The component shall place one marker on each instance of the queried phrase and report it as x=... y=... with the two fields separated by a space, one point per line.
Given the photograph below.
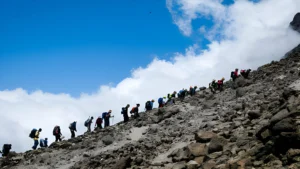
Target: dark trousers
x=89 y=127
x=160 y=105
x=220 y=87
x=99 y=126
x=106 y=122
x=126 y=118
x=72 y=133
x=57 y=138
x=35 y=144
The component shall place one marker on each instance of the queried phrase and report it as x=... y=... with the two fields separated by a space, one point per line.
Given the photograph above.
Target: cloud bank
x=244 y=35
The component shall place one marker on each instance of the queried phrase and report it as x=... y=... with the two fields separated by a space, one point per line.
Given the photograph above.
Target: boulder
x=107 y=140
x=123 y=163
x=197 y=149
x=192 y=165
x=202 y=88
x=199 y=160
x=204 y=136
x=216 y=144
x=285 y=125
x=180 y=154
x=180 y=165
x=292 y=153
x=295 y=24
x=254 y=114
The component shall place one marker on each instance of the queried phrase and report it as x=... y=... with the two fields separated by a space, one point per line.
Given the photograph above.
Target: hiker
x=193 y=90
x=180 y=94
x=57 y=133
x=161 y=102
x=135 y=111
x=213 y=86
x=105 y=117
x=235 y=74
x=88 y=123
x=5 y=149
x=220 y=84
x=44 y=142
x=174 y=94
x=72 y=128
x=98 y=123
x=245 y=73
x=149 y=105
x=34 y=134
x=125 y=113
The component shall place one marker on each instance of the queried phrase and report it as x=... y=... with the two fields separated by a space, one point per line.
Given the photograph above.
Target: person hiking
x=73 y=129
x=235 y=74
x=135 y=111
x=106 y=116
x=180 y=94
x=57 y=133
x=125 y=113
x=34 y=134
x=174 y=94
x=5 y=150
x=192 y=91
x=44 y=142
x=245 y=73
x=161 y=102
x=98 y=123
x=213 y=86
x=220 y=84
x=88 y=123
x=149 y=105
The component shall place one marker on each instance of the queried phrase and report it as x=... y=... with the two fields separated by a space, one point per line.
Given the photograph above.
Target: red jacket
x=236 y=73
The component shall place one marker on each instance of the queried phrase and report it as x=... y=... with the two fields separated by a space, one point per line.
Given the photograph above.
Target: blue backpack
x=160 y=100
x=104 y=115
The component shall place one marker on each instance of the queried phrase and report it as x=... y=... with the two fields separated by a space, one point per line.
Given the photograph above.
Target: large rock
x=254 y=114
x=204 y=136
x=197 y=149
x=285 y=125
x=180 y=165
x=123 y=163
x=292 y=153
x=107 y=140
x=180 y=154
x=216 y=144
x=295 y=24
x=192 y=165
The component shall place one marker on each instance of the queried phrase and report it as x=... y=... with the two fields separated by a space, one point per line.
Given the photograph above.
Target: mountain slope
x=253 y=123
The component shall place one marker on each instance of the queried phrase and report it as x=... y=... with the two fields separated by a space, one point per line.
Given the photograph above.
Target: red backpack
x=99 y=121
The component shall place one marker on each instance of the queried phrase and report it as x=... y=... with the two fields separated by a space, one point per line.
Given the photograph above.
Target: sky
x=66 y=61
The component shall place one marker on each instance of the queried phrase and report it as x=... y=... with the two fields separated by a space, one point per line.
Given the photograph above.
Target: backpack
x=56 y=130
x=122 y=111
x=132 y=110
x=232 y=75
x=72 y=126
x=86 y=123
x=99 y=121
x=41 y=143
x=148 y=104
x=160 y=100
x=104 y=115
x=32 y=133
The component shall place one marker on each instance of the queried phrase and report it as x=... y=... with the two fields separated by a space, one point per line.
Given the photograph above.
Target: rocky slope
x=253 y=123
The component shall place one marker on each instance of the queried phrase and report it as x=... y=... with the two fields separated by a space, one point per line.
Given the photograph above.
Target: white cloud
x=253 y=34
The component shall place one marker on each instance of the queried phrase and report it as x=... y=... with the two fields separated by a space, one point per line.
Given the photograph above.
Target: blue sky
x=74 y=46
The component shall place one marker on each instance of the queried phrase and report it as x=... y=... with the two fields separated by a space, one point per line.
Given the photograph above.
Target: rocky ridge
x=253 y=123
